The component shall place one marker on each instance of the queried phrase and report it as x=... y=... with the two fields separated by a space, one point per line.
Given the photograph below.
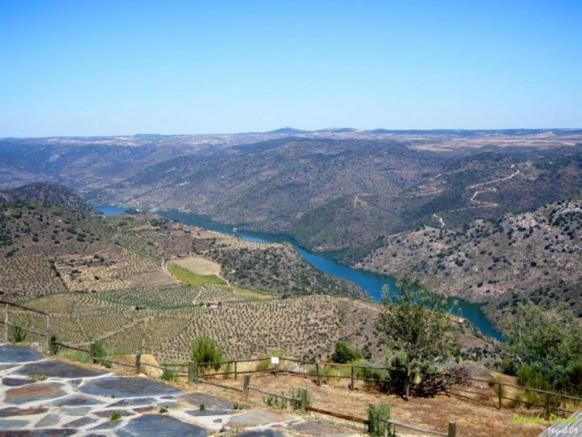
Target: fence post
x=53 y=348
x=235 y=370
x=352 y=383
x=246 y=384
x=6 y=323
x=499 y=395
x=137 y=363
x=92 y=353
x=452 y=429
x=547 y=409
x=317 y=374
x=304 y=399
x=192 y=372
x=48 y=333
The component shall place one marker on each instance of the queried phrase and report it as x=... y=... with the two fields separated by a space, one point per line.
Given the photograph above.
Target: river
x=371 y=282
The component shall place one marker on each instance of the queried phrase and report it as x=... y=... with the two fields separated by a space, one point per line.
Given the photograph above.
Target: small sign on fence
x=275 y=361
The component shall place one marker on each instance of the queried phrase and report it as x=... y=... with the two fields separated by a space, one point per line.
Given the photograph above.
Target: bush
x=498 y=389
x=573 y=377
x=378 y=414
x=168 y=375
x=529 y=376
x=265 y=364
x=345 y=354
x=205 y=350
x=296 y=394
x=543 y=349
x=17 y=333
x=101 y=353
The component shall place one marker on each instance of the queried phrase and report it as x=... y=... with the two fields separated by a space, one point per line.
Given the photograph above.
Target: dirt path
x=440 y=219
x=489 y=190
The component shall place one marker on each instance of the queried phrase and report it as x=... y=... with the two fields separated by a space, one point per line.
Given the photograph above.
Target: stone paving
x=42 y=396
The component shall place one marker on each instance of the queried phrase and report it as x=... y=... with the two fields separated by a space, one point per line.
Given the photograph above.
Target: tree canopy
x=416 y=325
x=544 y=348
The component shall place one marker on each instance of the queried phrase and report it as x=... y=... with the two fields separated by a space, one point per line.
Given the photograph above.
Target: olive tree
x=416 y=327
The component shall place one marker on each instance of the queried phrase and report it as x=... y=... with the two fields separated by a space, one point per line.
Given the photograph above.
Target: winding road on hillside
x=483 y=203
x=440 y=219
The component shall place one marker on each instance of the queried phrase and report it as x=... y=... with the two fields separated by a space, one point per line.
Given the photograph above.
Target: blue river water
x=373 y=283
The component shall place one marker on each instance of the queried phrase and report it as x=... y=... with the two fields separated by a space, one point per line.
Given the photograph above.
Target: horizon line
x=299 y=131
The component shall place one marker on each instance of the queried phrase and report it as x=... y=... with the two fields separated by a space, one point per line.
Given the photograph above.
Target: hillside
x=533 y=256
x=338 y=190
x=65 y=249
x=342 y=196
x=110 y=278
x=50 y=194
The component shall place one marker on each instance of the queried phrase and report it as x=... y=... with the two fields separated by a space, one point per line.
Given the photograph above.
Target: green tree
x=205 y=350
x=417 y=327
x=344 y=353
x=543 y=348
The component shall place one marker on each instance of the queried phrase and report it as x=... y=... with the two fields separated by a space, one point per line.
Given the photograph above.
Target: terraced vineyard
x=165 y=321
x=302 y=327
x=170 y=297
x=116 y=270
x=29 y=275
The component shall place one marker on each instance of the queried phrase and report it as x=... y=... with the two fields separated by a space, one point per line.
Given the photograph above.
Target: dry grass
x=473 y=417
x=198 y=265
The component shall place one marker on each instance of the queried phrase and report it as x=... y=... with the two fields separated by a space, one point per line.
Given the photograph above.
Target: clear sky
x=102 y=67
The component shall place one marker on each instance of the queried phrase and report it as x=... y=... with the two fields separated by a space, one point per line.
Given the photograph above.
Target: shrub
x=205 y=350
x=275 y=401
x=265 y=364
x=17 y=333
x=498 y=389
x=101 y=353
x=168 y=375
x=116 y=415
x=344 y=353
x=378 y=414
x=529 y=376
x=296 y=394
x=544 y=348
x=100 y=349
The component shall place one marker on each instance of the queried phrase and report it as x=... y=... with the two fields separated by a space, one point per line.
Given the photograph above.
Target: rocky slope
x=534 y=256
x=50 y=194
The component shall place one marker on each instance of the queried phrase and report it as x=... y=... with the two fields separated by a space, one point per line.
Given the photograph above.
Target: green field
x=187 y=277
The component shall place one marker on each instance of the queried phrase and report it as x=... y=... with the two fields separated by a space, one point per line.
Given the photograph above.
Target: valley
x=343 y=193
x=139 y=281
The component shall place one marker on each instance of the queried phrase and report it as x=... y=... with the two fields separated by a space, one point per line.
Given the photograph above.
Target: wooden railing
x=196 y=372
x=7 y=323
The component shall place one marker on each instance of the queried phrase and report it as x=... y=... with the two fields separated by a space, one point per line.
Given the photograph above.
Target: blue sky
x=121 y=67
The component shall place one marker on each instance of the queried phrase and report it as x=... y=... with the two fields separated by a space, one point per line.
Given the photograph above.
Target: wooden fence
x=47 y=334
x=316 y=371
x=450 y=383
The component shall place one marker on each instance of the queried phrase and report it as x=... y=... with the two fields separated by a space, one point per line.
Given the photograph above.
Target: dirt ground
x=198 y=265
x=474 y=417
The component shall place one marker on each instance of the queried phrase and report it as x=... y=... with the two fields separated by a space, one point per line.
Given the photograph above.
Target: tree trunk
x=407 y=383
